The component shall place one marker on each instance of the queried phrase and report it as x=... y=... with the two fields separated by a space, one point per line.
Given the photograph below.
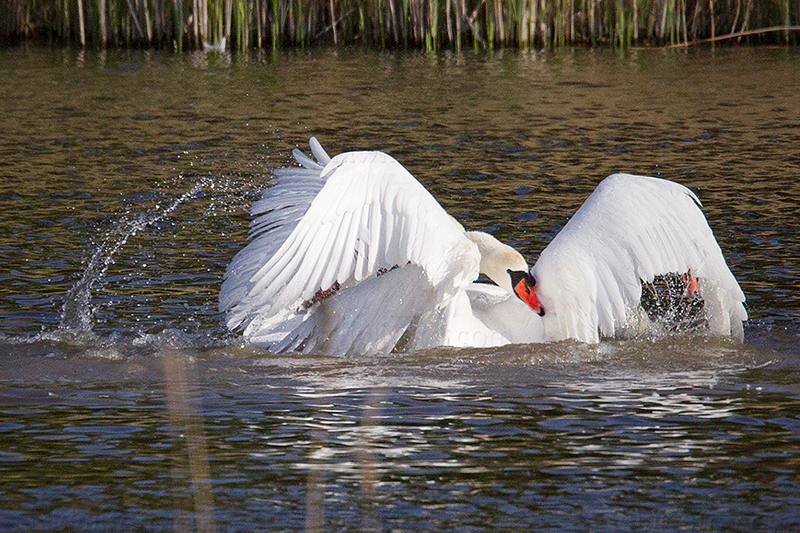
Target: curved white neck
x=497 y=258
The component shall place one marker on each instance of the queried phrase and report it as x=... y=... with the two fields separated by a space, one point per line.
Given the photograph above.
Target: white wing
x=336 y=225
x=279 y=211
x=629 y=230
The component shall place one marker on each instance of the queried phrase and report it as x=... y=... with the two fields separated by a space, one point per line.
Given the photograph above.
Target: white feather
x=365 y=217
x=352 y=254
x=629 y=230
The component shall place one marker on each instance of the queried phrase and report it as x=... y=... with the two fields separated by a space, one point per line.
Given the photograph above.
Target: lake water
x=126 y=405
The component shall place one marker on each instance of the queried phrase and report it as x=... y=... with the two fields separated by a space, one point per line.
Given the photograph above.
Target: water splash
x=77 y=314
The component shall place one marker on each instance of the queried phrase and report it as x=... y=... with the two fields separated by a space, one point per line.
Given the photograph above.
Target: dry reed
x=429 y=24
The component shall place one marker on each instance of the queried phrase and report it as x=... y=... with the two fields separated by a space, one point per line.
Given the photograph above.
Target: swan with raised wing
x=352 y=254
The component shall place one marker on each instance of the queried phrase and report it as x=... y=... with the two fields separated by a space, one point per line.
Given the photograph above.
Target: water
x=126 y=405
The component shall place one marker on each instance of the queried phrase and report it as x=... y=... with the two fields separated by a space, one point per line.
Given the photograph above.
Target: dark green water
x=126 y=178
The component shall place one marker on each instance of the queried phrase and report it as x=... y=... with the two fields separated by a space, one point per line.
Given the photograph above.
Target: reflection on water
x=160 y=420
x=410 y=446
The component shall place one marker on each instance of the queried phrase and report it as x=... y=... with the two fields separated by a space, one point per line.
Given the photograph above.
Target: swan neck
x=497 y=259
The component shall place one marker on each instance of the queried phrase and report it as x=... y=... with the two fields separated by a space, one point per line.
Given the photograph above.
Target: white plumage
x=631 y=229
x=352 y=254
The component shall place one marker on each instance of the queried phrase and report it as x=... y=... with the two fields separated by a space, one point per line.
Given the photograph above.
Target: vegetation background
x=428 y=24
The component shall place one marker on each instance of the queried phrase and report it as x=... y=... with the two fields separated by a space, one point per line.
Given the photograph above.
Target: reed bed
x=429 y=24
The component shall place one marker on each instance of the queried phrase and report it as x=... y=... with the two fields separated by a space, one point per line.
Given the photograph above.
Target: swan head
x=507 y=268
x=523 y=284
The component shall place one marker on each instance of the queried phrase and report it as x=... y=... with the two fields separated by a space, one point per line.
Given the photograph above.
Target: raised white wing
x=629 y=230
x=334 y=226
x=279 y=211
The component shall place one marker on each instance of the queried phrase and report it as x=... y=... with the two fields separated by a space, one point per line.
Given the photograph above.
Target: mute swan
x=352 y=255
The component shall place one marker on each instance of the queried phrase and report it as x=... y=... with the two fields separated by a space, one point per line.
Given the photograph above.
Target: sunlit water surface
x=125 y=404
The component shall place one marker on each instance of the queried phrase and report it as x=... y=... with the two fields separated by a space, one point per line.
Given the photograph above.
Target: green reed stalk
x=433 y=31
x=490 y=27
x=242 y=10
x=787 y=21
x=429 y=24
x=81 y=24
x=683 y=22
x=559 y=34
x=711 y=13
x=521 y=22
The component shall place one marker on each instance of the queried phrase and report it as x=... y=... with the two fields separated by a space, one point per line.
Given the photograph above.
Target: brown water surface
x=125 y=405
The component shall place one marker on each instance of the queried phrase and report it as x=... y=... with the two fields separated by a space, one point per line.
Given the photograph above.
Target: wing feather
x=279 y=212
x=321 y=155
x=339 y=220
x=630 y=230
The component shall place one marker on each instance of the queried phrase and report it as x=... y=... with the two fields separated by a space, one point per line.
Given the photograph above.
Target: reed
x=429 y=24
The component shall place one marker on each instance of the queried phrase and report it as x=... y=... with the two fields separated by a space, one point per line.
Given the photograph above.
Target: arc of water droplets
x=76 y=315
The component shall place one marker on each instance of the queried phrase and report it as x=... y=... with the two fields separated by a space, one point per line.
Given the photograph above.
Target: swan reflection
x=355 y=423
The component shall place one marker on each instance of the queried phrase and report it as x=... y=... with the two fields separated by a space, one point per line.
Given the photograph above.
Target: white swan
x=352 y=255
